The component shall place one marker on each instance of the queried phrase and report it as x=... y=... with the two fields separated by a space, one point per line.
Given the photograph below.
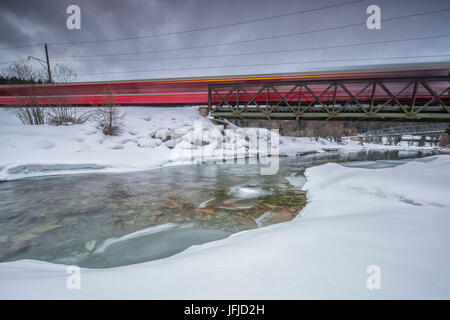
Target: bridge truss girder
x=412 y=99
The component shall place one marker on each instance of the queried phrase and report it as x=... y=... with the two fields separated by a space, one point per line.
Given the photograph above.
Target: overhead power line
x=23 y=46
x=190 y=30
x=265 y=64
x=256 y=53
x=262 y=52
x=256 y=39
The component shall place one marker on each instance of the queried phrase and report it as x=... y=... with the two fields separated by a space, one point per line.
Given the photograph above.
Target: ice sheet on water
x=150 y=244
x=204 y=203
x=297 y=180
x=264 y=218
x=248 y=192
x=139 y=233
x=31 y=168
x=427 y=159
x=379 y=164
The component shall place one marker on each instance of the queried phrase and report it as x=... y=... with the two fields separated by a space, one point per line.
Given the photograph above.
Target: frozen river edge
x=32 y=151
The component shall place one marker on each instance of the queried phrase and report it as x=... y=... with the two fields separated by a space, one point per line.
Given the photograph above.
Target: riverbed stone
x=11 y=248
x=124 y=213
x=178 y=218
x=45 y=227
x=171 y=204
x=25 y=237
x=157 y=213
x=90 y=245
x=206 y=210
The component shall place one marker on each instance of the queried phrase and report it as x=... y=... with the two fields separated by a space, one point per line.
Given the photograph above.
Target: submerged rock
x=45 y=227
x=90 y=245
x=26 y=237
x=269 y=218
x=206 y=209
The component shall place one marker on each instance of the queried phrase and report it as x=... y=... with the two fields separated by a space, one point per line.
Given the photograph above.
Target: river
x=107 y=220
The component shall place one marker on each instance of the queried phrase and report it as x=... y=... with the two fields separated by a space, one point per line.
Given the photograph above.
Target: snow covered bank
x=395 y=218
x=41 y=150
x=152 y=137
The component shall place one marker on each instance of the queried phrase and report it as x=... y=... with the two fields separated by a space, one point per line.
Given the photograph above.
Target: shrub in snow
x=66 y=116
x=109 y=117
x=30 y=115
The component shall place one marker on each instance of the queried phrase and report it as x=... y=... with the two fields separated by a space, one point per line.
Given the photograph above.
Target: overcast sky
x=24 y=23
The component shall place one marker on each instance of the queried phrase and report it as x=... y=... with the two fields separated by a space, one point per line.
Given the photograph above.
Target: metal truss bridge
x=406 y=98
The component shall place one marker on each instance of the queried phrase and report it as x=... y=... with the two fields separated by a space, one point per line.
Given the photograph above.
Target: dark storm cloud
x=33 y=22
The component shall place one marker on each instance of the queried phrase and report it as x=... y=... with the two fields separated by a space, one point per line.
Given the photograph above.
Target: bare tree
x=28 y=109
x=20 y=71
x=62 y=111
x=313 y=129
x=336 y=130
x=331 y=130
x=62 y=73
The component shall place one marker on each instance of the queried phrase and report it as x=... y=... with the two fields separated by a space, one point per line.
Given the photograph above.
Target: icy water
x=106 y=220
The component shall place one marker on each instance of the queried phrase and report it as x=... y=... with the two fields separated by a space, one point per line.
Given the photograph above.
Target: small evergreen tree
x=109 y=117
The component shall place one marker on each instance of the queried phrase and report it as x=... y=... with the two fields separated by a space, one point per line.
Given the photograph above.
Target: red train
x=190 y=91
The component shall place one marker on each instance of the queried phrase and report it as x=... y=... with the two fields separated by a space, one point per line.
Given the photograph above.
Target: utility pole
x=48 y=64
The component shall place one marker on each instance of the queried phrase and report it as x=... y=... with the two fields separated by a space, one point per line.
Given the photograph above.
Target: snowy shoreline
x=33 y=151
x=355 y=218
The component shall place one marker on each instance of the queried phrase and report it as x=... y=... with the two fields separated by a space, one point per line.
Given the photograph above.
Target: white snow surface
x=396 y=218
x=28 y=151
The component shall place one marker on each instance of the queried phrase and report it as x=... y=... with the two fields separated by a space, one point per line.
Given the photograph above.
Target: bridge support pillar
x=445 y=138
x=204 y=111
